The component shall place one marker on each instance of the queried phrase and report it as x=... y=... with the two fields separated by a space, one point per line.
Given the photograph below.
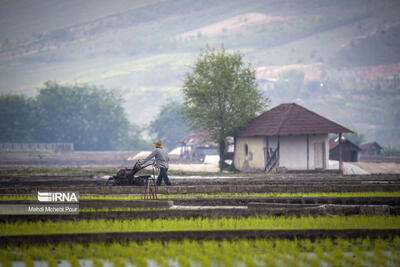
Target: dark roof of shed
x=365 y=146
x=334 y=142
x=199 y=138
x=288 y=119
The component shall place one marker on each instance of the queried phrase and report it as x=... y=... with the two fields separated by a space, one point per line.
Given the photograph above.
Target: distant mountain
x=144 y=48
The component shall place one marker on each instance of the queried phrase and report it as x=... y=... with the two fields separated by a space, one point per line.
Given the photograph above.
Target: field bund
x=25 y=184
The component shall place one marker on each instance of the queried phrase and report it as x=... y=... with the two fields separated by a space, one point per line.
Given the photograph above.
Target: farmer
x=161 y=161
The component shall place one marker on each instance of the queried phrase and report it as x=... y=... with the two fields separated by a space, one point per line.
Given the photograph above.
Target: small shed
x=349 y=150
x=197 y=145
x=370 y=149
x=288 y=136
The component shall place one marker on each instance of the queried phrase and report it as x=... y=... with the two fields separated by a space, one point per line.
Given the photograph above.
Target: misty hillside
x=346 y=53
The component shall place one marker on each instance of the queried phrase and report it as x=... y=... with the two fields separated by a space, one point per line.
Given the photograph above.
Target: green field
x=221 y=195
x=264 y=252
x=182 y=224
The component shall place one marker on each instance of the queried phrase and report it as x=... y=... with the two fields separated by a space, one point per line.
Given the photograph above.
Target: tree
x=89 y=117
x=221 y=95
x=354 y=137
x=169 y=125
x=17 y=118
x=133 y=140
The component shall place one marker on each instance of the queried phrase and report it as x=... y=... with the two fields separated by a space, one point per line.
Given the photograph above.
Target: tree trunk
x=221 y=154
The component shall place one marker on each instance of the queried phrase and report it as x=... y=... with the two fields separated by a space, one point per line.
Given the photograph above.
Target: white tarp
x=177 y=151
x=140 y=155
x=348 y=168
x=211 y=159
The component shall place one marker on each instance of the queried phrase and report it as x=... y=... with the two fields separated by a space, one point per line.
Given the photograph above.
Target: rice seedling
x=28 y=261
x=73 y=260
x=51 y=262
x=269 y=260
x=208 y=223
x=97 y=262
x=272 y=252
x=118 y=262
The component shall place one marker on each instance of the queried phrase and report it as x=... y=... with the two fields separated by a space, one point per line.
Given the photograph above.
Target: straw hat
x=158 y=144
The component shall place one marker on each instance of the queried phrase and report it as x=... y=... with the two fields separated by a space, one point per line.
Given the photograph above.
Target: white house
x=288 y=136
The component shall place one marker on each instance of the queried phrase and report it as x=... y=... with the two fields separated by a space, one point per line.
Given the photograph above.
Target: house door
x=319 y=155
x=354 y=156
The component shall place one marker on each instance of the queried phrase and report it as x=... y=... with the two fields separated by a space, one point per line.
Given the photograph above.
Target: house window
x=246 y=149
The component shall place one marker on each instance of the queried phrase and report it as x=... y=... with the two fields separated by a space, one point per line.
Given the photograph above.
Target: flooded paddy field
x=318 y=219
x=307 y=183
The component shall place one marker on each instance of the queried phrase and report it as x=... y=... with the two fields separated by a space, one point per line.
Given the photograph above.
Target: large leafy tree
x=17 y=119
x=221 y=95
x=169 y=125
x=90 y=117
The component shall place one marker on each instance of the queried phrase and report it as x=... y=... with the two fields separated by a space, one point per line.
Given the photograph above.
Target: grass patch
x=221 y=195
x=181 y=224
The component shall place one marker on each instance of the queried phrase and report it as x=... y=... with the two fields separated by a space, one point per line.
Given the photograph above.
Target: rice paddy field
x=241 y=252
x=219 y=231
x=219 y=195
x=202 y=224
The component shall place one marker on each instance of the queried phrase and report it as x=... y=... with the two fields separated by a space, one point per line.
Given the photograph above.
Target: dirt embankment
x=379 y=167
x=75 y=159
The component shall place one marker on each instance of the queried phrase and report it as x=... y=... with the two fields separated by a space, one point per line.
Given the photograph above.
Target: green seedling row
x=220 y=195
x=240 y=252
x=208 y=223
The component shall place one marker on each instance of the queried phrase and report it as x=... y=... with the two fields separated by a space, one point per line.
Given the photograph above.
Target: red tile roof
x=288 y=119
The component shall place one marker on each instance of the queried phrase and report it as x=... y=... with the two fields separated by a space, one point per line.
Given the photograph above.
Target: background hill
x=340 y=58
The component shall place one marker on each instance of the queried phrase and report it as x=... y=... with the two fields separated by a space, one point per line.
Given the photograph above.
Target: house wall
x=293 y=151
x=254 y=160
